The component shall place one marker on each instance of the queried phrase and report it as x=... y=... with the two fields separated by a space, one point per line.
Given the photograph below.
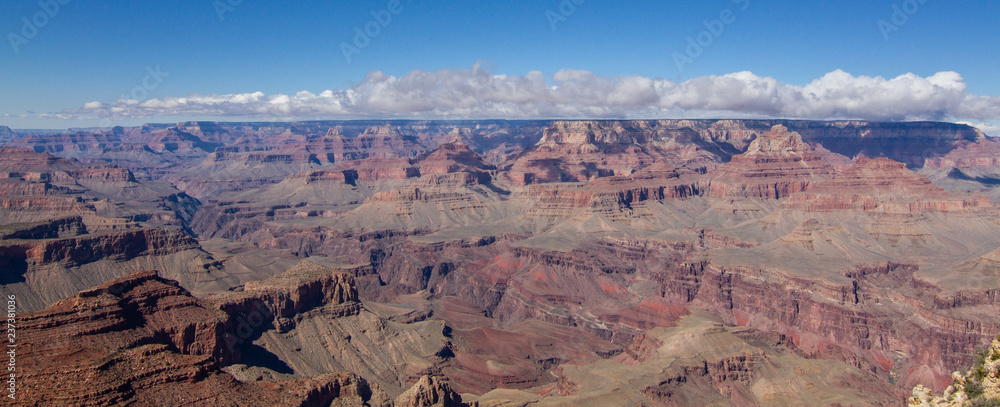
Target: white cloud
x=477 y=93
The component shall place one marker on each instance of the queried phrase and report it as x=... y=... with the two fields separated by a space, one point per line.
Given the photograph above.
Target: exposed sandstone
x=452 y=157
x=883 y=185
x=617 y=196
x=144 y=340
x=112 y=328
x=304 y=287
x=81 y=250
x=375 y=169
x=775 y=165
x=51 y=229
x=427 y=392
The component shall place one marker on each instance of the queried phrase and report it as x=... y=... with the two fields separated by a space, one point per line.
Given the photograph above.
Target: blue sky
x=620 y=56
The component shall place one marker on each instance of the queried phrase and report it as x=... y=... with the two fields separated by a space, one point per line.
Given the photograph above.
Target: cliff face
x=910 y=143
x=375 y=169
x=886 y=186
x=151 y=329
x=454 y=157
x=621 y=147
x=618 y=197
x=124 y=246
x=980 y=385
x=775 y=165
x=144 y=340
x=44 y=262
x=7 y=135
x=580 y=151
x=70 y=145
x=53 y=229
x=39 y=186
x=429 y=391
x=305 y=287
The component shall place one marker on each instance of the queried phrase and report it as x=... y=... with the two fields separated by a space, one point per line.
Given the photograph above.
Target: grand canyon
x=499 y=262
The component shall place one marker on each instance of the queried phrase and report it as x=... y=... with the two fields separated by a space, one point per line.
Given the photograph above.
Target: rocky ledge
x=144 y=340
x=980 y=386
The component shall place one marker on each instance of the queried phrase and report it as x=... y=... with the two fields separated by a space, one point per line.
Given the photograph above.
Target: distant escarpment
x=75 y=251
x=7 y=135
x=618 y=197
x=39 y=186
x=580 y=150
x=887 y=186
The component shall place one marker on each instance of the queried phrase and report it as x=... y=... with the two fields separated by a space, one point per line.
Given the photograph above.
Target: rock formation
x=884 y=185
x=775 y=165
x=7 y=135
x=144 y=340
x=429 y=391
x=674 y=262
x=980 y=386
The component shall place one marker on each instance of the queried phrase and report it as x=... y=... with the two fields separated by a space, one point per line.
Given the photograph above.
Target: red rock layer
x=375 y=169
x=63 y=227
x=375 y=142
x=776 y=165
x=884 y=185
x=452 y=157
x=863 y=323
x=429 y=391
x=981 y=154
x=579 y=151
x=86 y=249
x=306 y=286
x=143 y=340
x=174 y=139
x=617 y=194
x=70 y=144
x=337 y=176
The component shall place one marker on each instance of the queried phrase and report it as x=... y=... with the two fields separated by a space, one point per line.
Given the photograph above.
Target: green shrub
x=978 y=364
x=973 y=389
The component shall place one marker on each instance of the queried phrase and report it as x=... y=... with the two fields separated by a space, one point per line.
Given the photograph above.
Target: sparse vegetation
x=973 y=389
x=979 y=387
x=979 y=364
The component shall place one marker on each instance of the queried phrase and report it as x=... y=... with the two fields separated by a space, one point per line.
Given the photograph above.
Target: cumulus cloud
x=478 y=93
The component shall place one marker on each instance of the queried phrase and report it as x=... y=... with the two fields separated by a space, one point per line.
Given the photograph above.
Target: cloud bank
x=477 y=93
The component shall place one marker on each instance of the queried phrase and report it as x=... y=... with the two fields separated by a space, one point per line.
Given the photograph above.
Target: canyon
x=495 y=263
